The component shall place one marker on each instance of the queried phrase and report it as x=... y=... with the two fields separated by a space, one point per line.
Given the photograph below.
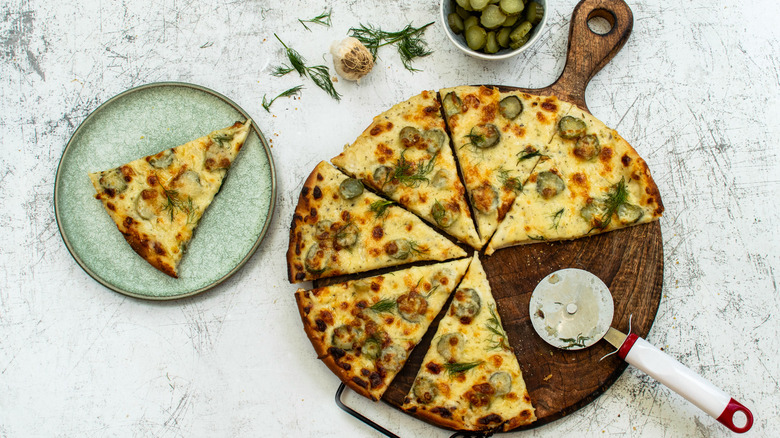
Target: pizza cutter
x=572 y=309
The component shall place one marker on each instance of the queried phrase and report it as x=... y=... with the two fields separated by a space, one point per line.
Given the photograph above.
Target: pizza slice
x=405 y=154
x=470 y=378
x=589 y=180
x=364 y=330
x=497 y=137
x=339 y=228
x=157 y=201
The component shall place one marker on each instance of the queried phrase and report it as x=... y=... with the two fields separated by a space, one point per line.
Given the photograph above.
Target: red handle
x=727 y=417
x=680 y=379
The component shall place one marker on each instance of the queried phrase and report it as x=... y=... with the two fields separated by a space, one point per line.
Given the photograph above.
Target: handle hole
x=739 y=419
x=601 y=21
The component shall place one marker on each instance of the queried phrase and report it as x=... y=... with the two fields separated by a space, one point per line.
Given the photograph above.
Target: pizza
x=489 y=167
x=158 y=200
x=470 y=378
x=588 y=180
x=405 y=154
x=497 y=137
x=340 y=228
x=364 y=330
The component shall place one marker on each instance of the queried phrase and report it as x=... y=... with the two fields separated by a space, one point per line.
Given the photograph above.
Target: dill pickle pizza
x=587 y=180
x=364 y=330
x=340 y=228
x=405 y=154
x=497 y=137
x=470 y=378
x=489 y=168
x=157 y=201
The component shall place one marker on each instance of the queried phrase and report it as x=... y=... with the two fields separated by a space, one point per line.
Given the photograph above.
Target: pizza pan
x=629 y=261
x=146 y=120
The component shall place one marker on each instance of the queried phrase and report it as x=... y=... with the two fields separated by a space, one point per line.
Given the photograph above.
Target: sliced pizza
x=405 y=153
x=340 y=228
x=497 y=137
x=157 y=201
x=470 y=378
x=364 y=330
x=588 y=180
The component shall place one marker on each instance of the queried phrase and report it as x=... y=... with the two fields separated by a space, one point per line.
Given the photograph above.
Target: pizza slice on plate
x=470 y=378
x=157 y=201
x=589 y=180
x=340 y=228
x=497 y=137
x=405 y=153
x=364 y=330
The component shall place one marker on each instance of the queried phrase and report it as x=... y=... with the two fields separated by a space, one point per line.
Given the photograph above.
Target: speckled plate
x=146 y=120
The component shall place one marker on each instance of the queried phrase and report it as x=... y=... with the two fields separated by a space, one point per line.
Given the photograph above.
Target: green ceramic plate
x=146 y=120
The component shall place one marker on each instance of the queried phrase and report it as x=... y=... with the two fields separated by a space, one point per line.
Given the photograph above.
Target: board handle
x=588 y=52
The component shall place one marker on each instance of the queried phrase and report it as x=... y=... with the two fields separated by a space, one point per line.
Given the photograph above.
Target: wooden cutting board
x=629 y=261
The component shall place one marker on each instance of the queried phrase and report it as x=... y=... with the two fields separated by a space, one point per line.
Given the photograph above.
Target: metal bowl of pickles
x=493 y=29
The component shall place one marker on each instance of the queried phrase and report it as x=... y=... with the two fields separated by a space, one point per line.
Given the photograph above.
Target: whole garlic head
x=351 y=59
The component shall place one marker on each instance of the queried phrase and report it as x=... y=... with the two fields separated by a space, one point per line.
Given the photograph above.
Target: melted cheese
x=578 y=210
x=381 y=146
x=497 y=404
x=380 y=240
x=356 y=304
x=505 y=166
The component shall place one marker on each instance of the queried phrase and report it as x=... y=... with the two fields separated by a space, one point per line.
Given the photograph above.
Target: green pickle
x=534 y=13
x=455 y=23
x=491 y=45
x=511 y=7
x=476 y=37
x=471 y=21
x=502 y=37
x=490 y=26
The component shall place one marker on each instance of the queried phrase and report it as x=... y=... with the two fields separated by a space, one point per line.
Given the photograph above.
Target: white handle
x=685 y=382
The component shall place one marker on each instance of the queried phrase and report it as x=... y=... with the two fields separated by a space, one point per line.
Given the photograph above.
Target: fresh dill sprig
x=408 y=41
x=297 y=61
x=410 y=173
x=579 y=342
x=287 y=93
x=173 y=203
x=494 y=326
x=281 y=70
x=617 y=197
x=415 y=248
x=511 y=183
x=319 y=74
x=460 y=367
x=538 y=238
x=527 y=155
x=386 y=305
x=380 y=207
x=322 y=19
x=556 y=219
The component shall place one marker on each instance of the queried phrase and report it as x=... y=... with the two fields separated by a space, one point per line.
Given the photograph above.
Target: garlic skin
x=351 y=59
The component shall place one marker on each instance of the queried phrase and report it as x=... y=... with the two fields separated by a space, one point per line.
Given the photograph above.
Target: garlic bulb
x=351 y=59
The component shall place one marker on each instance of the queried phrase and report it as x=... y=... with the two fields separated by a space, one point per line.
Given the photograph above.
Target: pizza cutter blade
x=572 y=309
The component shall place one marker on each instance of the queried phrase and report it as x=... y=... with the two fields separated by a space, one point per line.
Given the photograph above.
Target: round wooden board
x=629 y=261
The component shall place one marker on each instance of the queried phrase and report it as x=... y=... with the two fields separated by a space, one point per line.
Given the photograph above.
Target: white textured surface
x=696 y=90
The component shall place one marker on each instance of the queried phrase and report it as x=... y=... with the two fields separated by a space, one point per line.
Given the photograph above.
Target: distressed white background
x=696 y=90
